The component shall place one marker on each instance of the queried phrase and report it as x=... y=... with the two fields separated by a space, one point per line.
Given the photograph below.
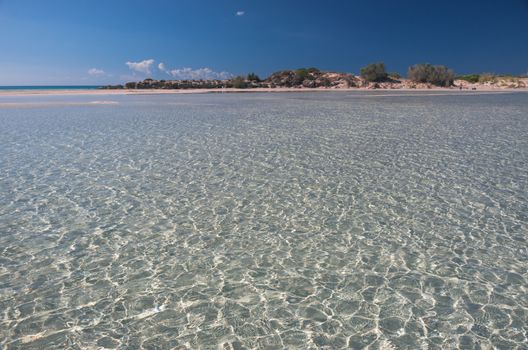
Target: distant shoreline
x=122 y=92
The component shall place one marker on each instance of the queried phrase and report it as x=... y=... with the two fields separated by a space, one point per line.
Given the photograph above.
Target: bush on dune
x=374 y=72
x=394 y=75
x=239 y=83
x=427 y=73
x=253 y=77
x=470 y=78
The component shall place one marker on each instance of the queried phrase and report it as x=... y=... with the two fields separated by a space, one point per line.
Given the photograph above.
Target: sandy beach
x=107 y=92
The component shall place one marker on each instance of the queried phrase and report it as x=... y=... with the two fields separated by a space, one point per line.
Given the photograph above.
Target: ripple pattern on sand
x=265 y=221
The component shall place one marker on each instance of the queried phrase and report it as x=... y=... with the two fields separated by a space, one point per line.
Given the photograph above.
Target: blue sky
x=91 y=42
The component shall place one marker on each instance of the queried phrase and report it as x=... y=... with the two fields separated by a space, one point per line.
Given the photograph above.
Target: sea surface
x=48 y=87
x=328 y=220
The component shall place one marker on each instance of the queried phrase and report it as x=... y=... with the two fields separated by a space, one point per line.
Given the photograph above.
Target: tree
x=427 y=73
x=374 y=72
x=253 y=77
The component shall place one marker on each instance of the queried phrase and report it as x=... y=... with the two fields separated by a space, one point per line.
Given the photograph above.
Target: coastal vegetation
x=479 y=78
x=374 y=72
x=470 y=78
x=372 y=76
x=435 y=75
x=239 y=82
x=310 y=78
x=493 y=80
x=253 y=77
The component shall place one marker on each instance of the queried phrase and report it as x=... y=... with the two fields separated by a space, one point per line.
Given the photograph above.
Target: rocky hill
x=301 y=78
x=314 y=78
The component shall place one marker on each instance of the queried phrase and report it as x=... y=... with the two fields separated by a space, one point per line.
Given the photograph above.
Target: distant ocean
x=50 y=87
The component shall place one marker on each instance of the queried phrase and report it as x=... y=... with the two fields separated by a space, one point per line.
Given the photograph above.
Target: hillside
x=314 y=78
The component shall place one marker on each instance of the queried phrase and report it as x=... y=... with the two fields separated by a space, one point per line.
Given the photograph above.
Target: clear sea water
x=383 y=220
x=48 y=87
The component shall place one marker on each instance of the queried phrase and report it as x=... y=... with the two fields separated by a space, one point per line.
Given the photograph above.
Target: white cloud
x=142 y=67
x=96 y=72
x=205 y=73
x=200 y=73
x=163 y=68
x=240 y=13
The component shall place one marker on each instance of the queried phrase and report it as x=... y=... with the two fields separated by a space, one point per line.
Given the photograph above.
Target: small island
x=373 y=76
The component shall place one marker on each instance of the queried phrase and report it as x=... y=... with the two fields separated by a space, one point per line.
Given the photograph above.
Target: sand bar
x=227 y=90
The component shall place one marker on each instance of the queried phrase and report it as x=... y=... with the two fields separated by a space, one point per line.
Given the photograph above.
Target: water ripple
x=265 y=221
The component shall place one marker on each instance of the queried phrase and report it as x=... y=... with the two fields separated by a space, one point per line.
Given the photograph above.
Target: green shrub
x=374 y=72
x=478 y=78
x=427 y=73
x=470 y=78
x=394 y=75
x=253 y=77
x=302 y=73
x=239 y=82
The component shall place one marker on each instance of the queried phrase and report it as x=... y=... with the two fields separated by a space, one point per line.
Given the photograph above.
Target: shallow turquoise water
x=231 y=221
